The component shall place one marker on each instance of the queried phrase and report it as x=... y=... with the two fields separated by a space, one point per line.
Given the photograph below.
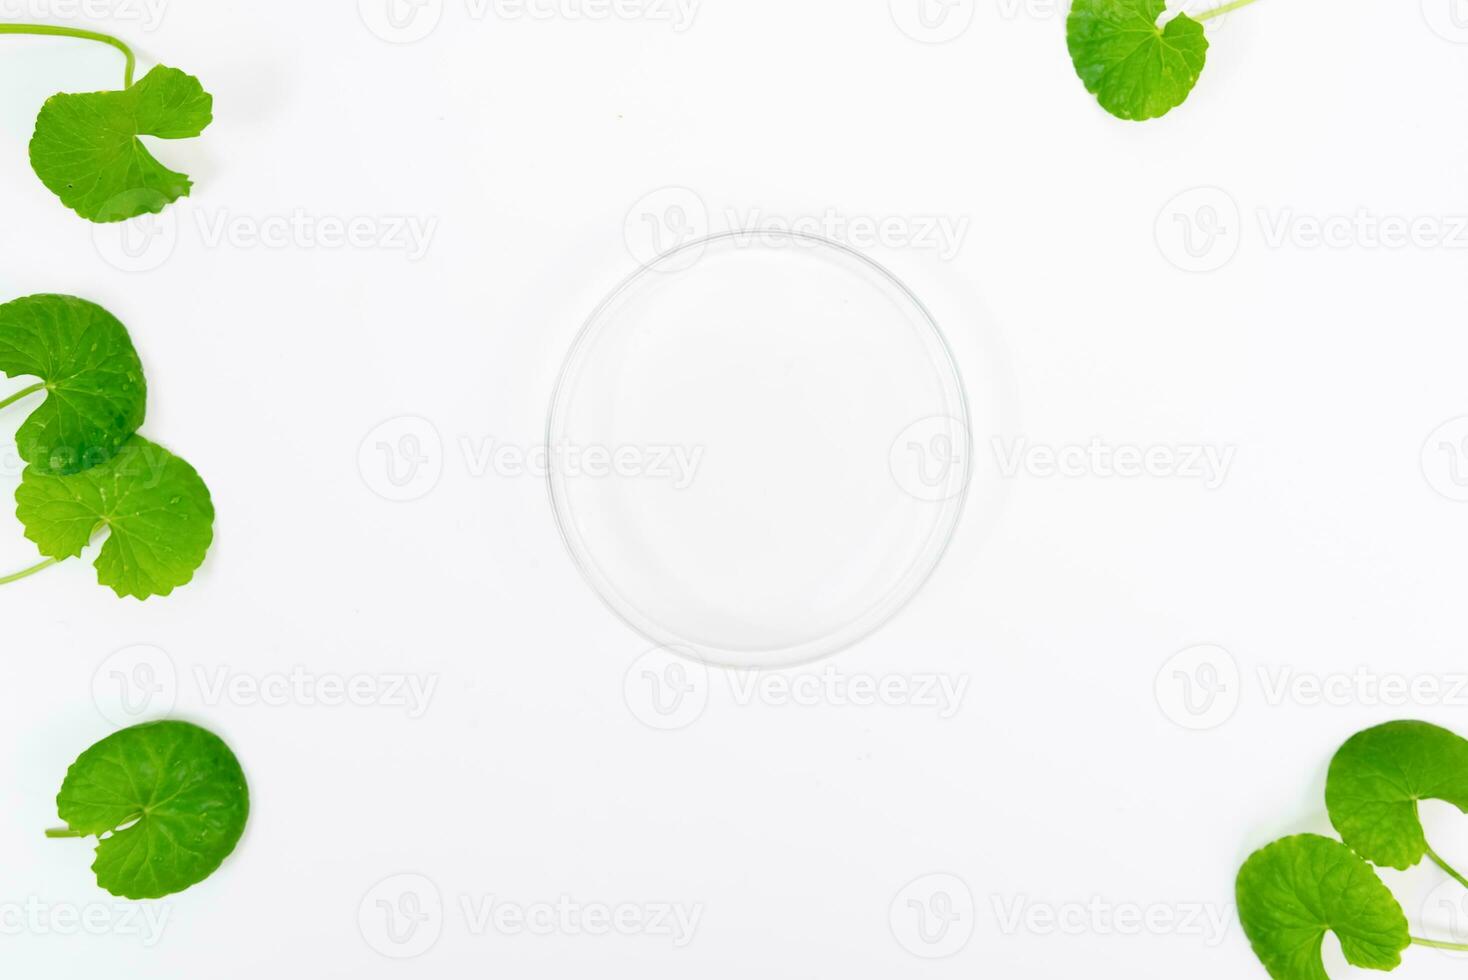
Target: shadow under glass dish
x=759 y=448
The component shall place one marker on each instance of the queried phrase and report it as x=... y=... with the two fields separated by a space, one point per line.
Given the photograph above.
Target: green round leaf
x=86 y=147
x=157 y=510
x=95 y=392
x=1294 y=891
x=1376 y=779
x=1135 y=69
x=168 y=801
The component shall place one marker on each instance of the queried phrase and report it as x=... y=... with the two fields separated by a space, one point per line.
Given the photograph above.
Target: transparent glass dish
x=759 y=448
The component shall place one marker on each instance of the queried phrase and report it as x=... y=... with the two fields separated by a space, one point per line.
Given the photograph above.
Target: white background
x=1066 y=776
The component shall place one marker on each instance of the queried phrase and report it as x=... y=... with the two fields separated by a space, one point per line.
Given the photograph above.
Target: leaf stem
x=27 y=573
x=47 y=30
x=56 y=832
x=22 y=393
x=1460 y=947
x=1446 y=867
x=1220 y=11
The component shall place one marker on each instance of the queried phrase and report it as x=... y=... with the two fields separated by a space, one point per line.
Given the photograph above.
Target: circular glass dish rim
x=828 y=644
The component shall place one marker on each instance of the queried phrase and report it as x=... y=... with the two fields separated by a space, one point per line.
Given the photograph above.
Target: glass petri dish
x=758 y=448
